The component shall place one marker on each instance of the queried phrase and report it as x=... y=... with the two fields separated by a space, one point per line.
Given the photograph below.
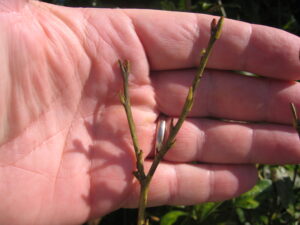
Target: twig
x=125 y=100
x=296 y=125
x=145 y=179
x=220 y=3
x=215 y=34
x=94 y=221
x=296 y=121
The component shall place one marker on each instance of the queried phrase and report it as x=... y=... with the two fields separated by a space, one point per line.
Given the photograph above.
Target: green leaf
x=205 y=209
x=181 y=5
x=247 y=203
x=248 y=200
x=241 y=215
x=205 y=5
x=171 y=217
x=259 y=188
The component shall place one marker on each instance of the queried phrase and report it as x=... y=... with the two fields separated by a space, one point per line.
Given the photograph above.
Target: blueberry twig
x=296 y=121
x=143 y=178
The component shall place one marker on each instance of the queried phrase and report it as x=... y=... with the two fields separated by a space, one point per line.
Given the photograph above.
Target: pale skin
x=65 y=150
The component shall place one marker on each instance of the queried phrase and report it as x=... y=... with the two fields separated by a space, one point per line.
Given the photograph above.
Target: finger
x=183 y=184
x=172 y=40
x=227 y=95
x=213 y=141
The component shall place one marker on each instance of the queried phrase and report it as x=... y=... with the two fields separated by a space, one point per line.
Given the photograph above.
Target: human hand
x=65 y=149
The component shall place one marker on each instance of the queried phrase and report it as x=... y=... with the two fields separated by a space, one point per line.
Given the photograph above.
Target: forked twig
x=143 y=178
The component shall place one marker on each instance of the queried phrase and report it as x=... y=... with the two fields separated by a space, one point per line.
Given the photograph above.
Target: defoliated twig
x=215 y=34
x=296 y=121
x=139 y=173
x=125 y=100
x=296 y=125
x=145 y=179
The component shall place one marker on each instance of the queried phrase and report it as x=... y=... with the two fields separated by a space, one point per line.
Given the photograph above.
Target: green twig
x=220 y=3
x=144 y=179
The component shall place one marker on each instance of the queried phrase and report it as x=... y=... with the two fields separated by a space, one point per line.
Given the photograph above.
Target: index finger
x=172 y=40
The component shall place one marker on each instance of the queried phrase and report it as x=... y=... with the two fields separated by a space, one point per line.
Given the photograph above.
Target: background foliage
x=275 y=200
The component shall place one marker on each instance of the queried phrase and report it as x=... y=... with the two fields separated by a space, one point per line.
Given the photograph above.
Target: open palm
x=65 y=149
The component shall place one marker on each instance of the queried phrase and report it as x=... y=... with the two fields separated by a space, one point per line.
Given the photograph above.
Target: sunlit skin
x=65 y=150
